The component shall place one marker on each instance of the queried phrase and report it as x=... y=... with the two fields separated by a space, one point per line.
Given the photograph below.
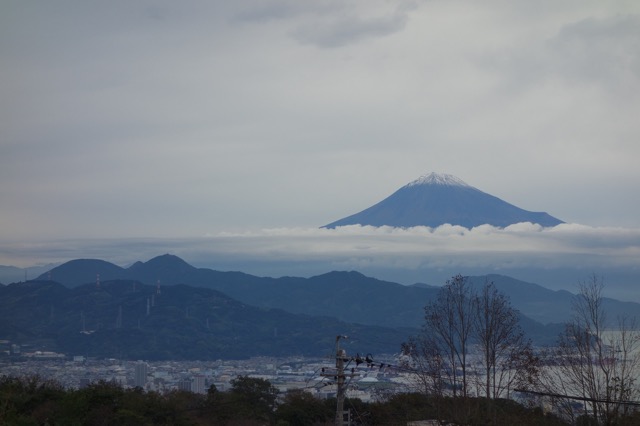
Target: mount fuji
x=437 y=199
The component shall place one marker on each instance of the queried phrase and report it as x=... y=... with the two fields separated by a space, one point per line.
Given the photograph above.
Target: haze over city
x=229 y=132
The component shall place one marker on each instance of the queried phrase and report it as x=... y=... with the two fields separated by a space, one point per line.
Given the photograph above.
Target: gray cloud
x=603 y=51
x=346 y=29
x=591 y=52
x=334 y=23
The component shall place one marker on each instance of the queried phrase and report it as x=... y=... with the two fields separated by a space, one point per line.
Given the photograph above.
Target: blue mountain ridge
x=348 y=296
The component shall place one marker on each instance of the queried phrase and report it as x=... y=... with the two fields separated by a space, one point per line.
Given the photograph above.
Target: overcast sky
x=208 y=119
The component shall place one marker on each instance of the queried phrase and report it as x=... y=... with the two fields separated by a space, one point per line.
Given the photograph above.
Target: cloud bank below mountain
x=557 y=257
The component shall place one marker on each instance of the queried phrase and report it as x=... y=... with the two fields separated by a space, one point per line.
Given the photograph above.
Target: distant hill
x=9 y=274
x=348 y=296
x=12 y=274
x=533 y=300
x=126 y=319
x=164 y=270
x=83 y=271
x=437 y=199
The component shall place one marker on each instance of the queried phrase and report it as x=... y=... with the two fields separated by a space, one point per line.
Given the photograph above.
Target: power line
x=578 y=398
x=342 y=372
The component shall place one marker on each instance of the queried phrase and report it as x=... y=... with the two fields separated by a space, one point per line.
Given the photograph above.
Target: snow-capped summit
x=436 y=199
x=438 y=179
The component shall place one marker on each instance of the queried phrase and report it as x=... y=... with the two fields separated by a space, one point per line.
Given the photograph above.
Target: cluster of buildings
x=311 y=375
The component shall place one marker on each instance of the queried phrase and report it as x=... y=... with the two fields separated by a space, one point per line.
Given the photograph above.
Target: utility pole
x=340 y=356
x=340 y=380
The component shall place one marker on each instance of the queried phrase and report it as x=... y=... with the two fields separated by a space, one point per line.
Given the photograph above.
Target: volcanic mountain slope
x=437 y=199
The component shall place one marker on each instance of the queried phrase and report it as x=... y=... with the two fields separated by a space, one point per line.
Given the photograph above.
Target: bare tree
x=595 y=360
x=423 y=355
x=506 y=354
x=448 y=322
x=460 y=319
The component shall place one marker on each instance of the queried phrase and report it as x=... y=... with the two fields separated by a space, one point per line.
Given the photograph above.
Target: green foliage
x=402 y=408
x=253 y=398
x=27 y=401
x=300 y=408
x=251 y=401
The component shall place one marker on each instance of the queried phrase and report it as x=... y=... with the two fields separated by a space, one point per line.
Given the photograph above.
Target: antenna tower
x=119 y=318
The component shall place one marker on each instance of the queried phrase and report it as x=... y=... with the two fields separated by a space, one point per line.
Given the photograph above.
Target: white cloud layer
x=557 y=257
x=521 y=245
